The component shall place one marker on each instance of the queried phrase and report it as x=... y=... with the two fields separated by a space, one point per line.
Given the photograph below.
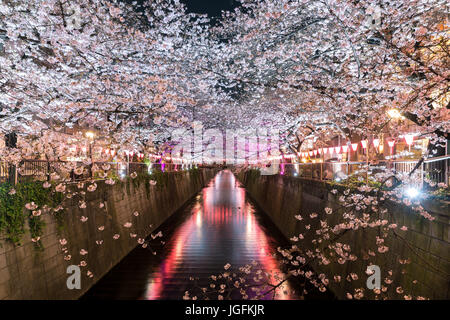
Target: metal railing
x=436 y=170
x=28 y=170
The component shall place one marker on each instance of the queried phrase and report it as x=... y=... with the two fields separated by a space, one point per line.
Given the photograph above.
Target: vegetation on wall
x=13 y=200
x=13 y=213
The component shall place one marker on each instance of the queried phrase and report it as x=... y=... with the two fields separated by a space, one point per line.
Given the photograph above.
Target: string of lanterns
x=409 y=139
x=127 y=153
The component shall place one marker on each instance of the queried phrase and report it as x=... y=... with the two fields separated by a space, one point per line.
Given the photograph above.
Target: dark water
x=218 y=227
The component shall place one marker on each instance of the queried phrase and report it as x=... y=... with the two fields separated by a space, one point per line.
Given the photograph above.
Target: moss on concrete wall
x=26 y=273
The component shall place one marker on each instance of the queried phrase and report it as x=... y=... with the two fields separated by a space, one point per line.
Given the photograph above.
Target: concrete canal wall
x=283 y=197
x=27 y=273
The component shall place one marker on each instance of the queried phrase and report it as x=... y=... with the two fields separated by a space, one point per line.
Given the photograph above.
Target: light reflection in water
x=222 y=228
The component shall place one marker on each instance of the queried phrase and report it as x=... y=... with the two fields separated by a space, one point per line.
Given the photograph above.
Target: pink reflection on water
x=222 y=228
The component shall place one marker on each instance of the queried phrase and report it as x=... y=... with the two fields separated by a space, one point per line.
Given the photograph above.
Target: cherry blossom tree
x=312 y=69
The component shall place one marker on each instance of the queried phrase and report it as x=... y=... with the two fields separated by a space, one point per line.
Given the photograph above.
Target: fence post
x=12 y=174
x=422 y=174
x=446 y=173
x=321 y=171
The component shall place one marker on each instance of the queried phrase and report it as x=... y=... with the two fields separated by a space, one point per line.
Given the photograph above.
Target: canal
x=219 y=231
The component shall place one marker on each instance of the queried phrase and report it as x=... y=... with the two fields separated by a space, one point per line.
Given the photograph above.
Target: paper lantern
x=391 y=145
x=354 y=146
x=113 y=152
x=409 y=138
x=330 y=150
x=315 y=152
x=345 y=149
x=376 y=143
x=364 y=143
x=337 y=149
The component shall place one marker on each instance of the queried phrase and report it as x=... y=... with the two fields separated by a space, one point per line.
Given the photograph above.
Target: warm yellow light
x=395 y=114
x=90 y=135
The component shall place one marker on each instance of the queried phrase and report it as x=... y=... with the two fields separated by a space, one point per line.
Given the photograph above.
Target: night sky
x=211 y=7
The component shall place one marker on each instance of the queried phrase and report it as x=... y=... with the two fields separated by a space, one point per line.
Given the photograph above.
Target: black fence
x=43 y=170
x=435 y=170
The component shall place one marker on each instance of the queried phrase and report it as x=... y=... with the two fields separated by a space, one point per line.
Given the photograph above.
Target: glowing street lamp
x=395 y=114
x=90 y=135
x=412 y=192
